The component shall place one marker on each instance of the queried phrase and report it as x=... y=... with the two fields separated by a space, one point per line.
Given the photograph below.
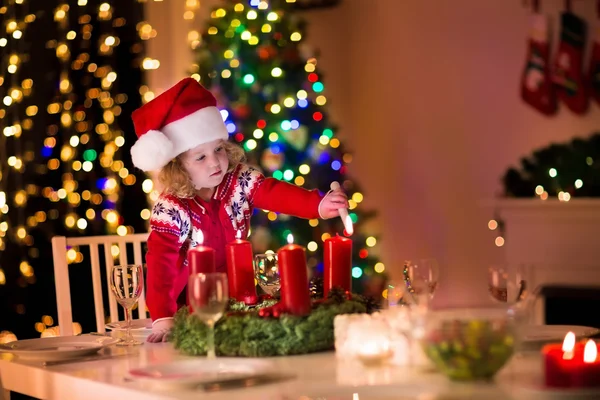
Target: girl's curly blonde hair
x=176 y=181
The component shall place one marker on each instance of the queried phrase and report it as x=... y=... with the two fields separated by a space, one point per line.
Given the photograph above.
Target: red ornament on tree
x=242 y=111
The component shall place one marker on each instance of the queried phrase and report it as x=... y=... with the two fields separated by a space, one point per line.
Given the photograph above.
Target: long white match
x=344 y=212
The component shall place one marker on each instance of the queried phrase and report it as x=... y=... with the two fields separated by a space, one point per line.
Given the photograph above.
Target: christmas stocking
x=536 y=85
x=568 y=64
x=594 y=72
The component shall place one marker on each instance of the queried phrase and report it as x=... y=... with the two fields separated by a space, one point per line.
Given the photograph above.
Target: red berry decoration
x=250 y=299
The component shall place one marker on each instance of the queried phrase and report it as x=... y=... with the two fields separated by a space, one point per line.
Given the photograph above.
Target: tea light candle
x=586 y=371
x=374 y=352
x=561 y=361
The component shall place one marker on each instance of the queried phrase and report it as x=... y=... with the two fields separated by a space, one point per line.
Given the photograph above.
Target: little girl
x=208 y=192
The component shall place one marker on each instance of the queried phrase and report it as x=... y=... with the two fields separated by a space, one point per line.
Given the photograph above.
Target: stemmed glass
x=127 y=283
x=507 y=284
x=421 y=278
x=208 y=297
x=266 y=272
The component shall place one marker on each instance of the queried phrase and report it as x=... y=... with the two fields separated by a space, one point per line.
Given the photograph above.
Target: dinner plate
x=201 y=371
x=57 y=348
x=555 y=333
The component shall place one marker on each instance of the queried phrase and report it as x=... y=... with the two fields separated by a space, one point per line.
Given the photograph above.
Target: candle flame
x=569 y=342
x=238 y=235
x=200 y=237
x=590 y=352
x=348 y=225
x=290 y=238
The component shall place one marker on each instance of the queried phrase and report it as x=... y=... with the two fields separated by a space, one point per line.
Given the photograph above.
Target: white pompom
x=152 y=151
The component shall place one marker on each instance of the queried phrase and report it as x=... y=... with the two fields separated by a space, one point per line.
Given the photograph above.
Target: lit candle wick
x=590 y=352
x=568 y=346
x=199 y=237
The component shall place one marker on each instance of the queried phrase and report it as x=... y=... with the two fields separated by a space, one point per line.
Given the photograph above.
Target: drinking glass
x=127 y=283
x=507 y=283
x=266 y=272
x=208 y=297
x=421 y=278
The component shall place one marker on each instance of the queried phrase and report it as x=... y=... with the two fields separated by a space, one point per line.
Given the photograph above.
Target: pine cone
x=316 y=287
x=337 y=295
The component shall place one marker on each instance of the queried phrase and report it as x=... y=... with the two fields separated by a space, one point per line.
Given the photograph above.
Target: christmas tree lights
x=65 y=159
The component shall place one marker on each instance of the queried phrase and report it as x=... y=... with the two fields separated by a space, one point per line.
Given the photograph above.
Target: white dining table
x=310 y=377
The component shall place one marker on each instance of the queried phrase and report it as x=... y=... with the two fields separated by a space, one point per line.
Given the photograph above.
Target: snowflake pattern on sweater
x=173 y=215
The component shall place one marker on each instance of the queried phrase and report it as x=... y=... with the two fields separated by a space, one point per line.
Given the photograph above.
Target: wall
x=429 y=92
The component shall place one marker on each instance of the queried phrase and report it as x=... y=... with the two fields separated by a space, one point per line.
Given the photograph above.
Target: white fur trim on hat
x=152 y=151
x=199 y=127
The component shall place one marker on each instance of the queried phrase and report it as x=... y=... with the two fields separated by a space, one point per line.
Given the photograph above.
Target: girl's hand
x=160 y=331
x=331 y=203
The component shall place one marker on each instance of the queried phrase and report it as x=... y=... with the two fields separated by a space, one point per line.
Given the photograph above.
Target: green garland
x=558 y=167
x=246 y=334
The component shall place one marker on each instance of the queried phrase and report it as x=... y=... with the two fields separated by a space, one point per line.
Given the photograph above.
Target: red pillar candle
x=201 y=259
x=294 y=279
x=240 y=271
x=586 y=370
x=337 y=260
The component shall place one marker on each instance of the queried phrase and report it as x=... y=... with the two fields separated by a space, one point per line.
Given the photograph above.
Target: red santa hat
x=183 y=117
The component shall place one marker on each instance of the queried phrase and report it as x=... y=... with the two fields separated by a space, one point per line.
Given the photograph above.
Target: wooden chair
x=60 y=247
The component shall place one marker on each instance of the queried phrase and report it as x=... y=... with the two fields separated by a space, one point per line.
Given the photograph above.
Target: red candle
x=240 y=271
x=586 y=371
x=294 y=279
x=337 y=264
x=201 y=259
x=571 y=365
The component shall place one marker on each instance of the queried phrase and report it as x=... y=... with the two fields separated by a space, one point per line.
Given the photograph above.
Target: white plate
x=556 y=333
x=201 y=370
x=136 y=324
x=57 y=348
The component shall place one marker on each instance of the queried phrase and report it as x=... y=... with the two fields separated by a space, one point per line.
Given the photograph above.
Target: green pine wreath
x=243 y=333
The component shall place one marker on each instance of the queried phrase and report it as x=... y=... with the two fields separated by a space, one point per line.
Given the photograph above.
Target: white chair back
x=60 y=247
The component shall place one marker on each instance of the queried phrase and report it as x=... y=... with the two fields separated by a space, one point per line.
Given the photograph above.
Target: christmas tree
x=253 y=56
x=65 y=165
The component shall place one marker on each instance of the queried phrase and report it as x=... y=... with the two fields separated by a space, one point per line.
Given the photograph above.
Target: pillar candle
x=240 y=271
x=337 y=260
x=201 y=259
x=295 y=297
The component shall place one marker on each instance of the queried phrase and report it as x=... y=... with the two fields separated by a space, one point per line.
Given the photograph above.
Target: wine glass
x=127 y=283
x=421 y=278
x=266 y=272
x=208 y=297
x=507 y=284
